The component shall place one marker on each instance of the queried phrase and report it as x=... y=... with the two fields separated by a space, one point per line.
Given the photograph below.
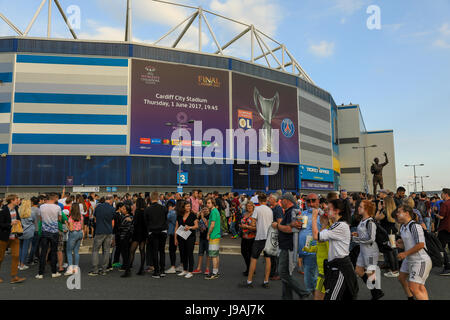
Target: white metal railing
x=258 y=40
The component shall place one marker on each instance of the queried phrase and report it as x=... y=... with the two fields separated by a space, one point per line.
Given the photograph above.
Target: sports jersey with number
x=412 y=234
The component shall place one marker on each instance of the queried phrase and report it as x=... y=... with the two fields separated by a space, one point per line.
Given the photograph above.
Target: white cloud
x=323 y=49
x=445 y=29
x=441 y=43
x=164 y=14
x=264 y=14
x=444 y=40
x=101 y=32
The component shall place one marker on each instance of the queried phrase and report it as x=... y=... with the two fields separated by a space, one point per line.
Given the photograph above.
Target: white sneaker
x=189 y=275
x=69 y=271
x=182 y=274
x=179 y=269
x=171 y=270
x=39 y=276
x=391 y=274
x=65 y=265
x=76 y=269
x=56 y=275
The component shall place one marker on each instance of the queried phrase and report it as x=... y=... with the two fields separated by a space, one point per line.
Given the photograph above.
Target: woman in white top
x=416 y=264
x=340 y=278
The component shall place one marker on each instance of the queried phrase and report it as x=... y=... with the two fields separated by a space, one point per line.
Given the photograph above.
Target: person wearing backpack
x=422 y=208
x=417 y=263
x=367 y=262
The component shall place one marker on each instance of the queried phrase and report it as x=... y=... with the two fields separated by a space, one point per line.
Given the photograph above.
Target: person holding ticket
x=187 y=222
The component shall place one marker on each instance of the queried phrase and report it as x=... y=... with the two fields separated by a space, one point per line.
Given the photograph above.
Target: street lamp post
x=366 y=185
x=178 y=125
x=421 y=178
x=415 y=177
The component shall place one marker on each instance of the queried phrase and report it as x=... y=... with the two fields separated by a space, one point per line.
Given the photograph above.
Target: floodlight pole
x=128 y=35
x=49 y=24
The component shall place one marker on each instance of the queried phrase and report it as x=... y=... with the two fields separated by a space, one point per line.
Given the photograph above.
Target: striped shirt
x=412 y=234
x=339 y=237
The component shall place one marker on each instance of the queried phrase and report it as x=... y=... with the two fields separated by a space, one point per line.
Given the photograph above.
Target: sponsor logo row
x=168 y=142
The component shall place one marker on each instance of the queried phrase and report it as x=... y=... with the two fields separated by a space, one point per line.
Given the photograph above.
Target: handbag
x=17 y=228
x=272 y=248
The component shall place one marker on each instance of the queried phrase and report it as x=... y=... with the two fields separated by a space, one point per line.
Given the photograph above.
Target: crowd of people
x=332 y=240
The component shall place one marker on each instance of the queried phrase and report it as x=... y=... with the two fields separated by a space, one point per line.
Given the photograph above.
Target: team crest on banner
x=245 y=119
x=288 y=128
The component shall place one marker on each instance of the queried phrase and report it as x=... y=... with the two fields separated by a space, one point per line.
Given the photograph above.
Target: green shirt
x=214 y=216
x=63 y=219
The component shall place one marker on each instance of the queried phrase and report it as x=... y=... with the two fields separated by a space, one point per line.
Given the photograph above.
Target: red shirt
x=445 y=213
x=88 y=206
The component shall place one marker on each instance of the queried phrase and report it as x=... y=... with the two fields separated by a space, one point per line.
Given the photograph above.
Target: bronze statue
x=377 y=170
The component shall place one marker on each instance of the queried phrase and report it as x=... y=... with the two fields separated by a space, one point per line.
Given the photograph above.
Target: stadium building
x=99 y=116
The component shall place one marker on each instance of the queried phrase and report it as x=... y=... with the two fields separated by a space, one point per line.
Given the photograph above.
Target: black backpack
x=434 y=247
x=381 y=238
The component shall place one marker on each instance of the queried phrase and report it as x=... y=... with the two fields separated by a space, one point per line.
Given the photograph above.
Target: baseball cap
x=289 y=196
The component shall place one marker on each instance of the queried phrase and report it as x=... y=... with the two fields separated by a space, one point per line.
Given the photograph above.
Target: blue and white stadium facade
x=65 y=112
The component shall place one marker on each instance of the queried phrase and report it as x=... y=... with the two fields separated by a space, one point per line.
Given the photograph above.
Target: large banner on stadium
x=264 y=105
x=163 y=93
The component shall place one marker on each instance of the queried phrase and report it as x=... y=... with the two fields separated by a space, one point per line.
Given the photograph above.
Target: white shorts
x=365 y=260
x=418 y=270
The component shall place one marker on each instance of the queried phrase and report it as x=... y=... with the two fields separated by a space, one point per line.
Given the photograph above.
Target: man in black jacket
x=9 y=216
x=156 y=220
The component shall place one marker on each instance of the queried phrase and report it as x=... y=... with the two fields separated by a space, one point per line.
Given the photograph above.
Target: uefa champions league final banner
x=171 y=93
x=260 y=104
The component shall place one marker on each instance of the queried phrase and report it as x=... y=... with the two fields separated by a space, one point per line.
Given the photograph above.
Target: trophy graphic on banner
x=267 y=108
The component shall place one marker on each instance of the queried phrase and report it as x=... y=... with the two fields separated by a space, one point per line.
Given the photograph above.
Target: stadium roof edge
x=15 y=48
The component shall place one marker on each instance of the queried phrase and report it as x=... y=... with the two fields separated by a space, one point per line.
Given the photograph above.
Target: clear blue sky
x=399 y=75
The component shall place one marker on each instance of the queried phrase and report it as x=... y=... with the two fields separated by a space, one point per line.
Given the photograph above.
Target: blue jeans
x=24 y=248
x=289 y=283
x=233 y=228
x=73 y=244
x=311 y=271
x=34 y=248
x=427 y=221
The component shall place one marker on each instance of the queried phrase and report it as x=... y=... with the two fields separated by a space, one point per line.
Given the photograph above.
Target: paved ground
x=172 y=287
x=227 y=246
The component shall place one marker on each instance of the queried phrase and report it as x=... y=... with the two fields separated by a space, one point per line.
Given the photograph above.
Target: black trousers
x=172 y=250
x=158 y=243
x=187 y=252
x=148 y=253
x=273 y=266
x=48 y=240
x=336 y=287
x=246 y=251
x=444 y=238
x=117 y=252
x=125 y=252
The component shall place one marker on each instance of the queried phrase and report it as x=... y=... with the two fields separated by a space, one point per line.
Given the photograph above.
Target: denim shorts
x=203 y=247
